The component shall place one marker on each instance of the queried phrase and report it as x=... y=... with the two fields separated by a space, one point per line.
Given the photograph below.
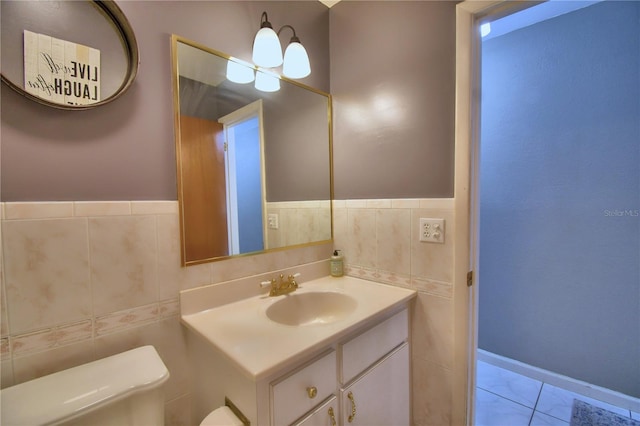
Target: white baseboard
x=568 y=383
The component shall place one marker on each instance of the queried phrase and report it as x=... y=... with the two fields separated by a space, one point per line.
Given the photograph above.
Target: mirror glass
x=254 y=166
x=67 y=54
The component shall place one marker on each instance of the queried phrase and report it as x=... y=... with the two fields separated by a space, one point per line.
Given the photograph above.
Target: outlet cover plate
x=432 y=230
x=272 y=221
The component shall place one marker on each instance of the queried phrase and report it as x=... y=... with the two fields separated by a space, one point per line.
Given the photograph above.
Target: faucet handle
x=292 y=279
x=269 y=283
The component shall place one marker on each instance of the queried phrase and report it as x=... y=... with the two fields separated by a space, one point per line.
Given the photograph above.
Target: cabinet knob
x=312 y=391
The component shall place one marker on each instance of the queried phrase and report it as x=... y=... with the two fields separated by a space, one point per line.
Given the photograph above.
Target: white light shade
x=239 y=73
x=267 y=51
x=485 y=29
x=296 y=61
x=267 y=82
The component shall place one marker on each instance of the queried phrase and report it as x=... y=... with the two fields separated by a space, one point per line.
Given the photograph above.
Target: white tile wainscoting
x=379 y=239
x=83 y=280
x=299 y=221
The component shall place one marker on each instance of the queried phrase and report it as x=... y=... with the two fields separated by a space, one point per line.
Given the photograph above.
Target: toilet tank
x=123 y=389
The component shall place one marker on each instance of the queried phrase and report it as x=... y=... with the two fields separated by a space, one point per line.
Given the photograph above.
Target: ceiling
x=329 y=3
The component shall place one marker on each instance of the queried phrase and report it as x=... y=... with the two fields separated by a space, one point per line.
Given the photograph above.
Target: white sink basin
x=311 y=308
x=321 y=311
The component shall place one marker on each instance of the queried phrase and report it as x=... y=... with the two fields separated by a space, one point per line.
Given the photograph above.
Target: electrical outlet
x=431 y=230
x=272 y=220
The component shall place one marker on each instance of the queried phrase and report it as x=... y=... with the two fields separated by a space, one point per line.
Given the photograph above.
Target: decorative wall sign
x=99 y=24
x=61 y=71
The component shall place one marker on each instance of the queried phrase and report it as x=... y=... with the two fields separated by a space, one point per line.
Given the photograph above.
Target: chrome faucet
x=281 y=286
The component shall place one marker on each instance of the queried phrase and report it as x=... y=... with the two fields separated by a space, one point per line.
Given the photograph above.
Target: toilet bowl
x=123 y=389
x=222 y=416
x=227 y=415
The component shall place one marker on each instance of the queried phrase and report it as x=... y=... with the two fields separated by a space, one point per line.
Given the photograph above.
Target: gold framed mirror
x=71 y=55
x=254 y=167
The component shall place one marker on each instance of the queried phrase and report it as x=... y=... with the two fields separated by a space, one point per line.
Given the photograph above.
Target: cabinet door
x=380 y=397
x=362 y=351
x=325 y=415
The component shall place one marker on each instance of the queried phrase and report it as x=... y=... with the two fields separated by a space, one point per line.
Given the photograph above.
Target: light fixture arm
x=294 y=38
x=264 y=21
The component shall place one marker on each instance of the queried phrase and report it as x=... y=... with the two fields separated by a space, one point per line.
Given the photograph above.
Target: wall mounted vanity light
x=267 y=81
x=239 y=71
x=267 y=51
x=296 y=61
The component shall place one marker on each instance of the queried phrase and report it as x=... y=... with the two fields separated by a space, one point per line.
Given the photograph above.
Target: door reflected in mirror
x=244 y=165
x=254 y=167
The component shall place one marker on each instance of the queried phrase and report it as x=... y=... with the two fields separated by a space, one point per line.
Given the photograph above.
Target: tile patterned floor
x=505 y=398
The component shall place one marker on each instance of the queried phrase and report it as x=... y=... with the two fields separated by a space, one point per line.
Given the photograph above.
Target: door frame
x=249 y=111
x=470 y=14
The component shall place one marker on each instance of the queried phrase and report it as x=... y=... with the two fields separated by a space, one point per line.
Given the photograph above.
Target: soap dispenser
x=337 y=264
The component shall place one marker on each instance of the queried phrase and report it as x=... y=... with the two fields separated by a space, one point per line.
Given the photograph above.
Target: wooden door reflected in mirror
x=203 y=191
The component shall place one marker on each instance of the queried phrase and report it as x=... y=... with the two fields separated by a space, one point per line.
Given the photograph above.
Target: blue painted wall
x=560 y=196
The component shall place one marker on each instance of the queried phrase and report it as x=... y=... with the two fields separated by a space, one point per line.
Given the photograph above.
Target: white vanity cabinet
x=372 y=379
x=360 y=379
x=353 y=370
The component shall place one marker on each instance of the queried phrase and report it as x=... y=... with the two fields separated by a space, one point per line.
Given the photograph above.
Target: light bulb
x=267 y=82
x=296 y=61
x=239 y=72
x=267 y=51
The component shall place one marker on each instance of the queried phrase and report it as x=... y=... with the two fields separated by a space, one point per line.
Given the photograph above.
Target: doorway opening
x=550 y=179
x=244 y=169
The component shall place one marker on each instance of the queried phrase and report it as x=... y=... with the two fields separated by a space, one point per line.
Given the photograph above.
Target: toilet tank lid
x=71 y=393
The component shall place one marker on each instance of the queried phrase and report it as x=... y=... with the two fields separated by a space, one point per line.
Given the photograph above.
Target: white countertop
x=260 y=347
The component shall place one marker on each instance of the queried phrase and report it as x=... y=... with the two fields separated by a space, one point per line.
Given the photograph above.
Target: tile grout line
x=533 y=410
x=535 y=405
x=504 y=397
